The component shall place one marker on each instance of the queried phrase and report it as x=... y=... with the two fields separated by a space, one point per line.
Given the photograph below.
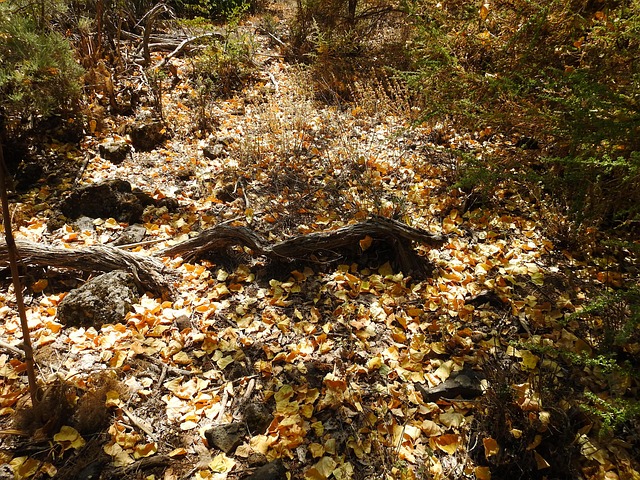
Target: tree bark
x=331 y=244
x=150 y=273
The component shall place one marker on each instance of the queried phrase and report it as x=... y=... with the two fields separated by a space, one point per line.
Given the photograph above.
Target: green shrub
x=222 y=68
x=563 y=72
x=213 y=9
x=615 y=414
x=344 y=40
x=613 y=319
x=39 y=77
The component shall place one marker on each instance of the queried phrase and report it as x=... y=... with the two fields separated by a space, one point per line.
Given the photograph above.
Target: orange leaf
x=365 y=243
x=491 y=447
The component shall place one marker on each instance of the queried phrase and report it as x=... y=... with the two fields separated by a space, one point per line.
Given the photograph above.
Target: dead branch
x=332 y=243
x=184 y=44
x=15 y=350
x=150 y=17
x=13 y=258
x=151 y=274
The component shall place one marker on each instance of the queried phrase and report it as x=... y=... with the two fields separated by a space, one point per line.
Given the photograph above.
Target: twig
x=150 y=17
x=141 y=244
x=138 y=422
x=173 y=370
x=276 y=39
x=183 y=45
x=6 y=346
x=85 y=163
x=153 y=274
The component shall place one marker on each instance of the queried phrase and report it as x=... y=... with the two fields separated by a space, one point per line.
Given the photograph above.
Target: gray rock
x=112 y=198
x=132 y=234
x=465 y=384
x=213 y=151
x=115 y=151
x=225 y=437
x=105 y=299
x=146 y=134
x=271 y=471
x=257 y=417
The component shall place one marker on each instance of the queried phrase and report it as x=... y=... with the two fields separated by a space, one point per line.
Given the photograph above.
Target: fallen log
x=150 y=273
x=331 y=245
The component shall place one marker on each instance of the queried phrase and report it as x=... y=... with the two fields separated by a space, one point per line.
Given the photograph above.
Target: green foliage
x=613 y=318
x=600 y=189
x=212 y=9
x=346 y=41
x=38 y=74
x=565 y=72
x=613 y=413
x=223 y=67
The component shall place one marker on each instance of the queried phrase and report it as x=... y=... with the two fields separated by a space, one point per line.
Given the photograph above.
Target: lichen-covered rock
x=114 y=151
x=105 y=299
x=112 y=199
x=146 y=134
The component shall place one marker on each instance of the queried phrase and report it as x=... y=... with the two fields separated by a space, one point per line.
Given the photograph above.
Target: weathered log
x=149 y=272
x=332 y=243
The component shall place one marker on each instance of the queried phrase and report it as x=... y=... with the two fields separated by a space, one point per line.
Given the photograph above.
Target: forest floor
x=346 y=356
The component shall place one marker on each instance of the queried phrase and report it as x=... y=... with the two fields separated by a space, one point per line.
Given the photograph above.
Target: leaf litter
x=341 y=357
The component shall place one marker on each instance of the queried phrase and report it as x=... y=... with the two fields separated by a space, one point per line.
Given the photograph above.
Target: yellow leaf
x=484 y=11
x=113 y=399
x=24 y=467
x=529 y=360
x=69 y=437
x=444 y=370
x=321 y=470
x=181 y=358
x=385 y=269
x=40 y=285
x=178 y=452
x=120 y=457
x=374 y=363
x=482 y=473
x=260 y=443
x=344 y=472
x=451 y=419
x=447 y=443
x=430 y=428
x=491 y=447
x=316 y=450
x=222 y=464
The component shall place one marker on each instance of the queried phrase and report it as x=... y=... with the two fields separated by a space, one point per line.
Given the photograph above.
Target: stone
x=257 y=417
x=271 y=471
x=114 y=151
x=112 y=199
x=132 y=234
x=146 y=134
x=105 y=299
x=465 y=384
x=225 y=437
x=213 y=151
